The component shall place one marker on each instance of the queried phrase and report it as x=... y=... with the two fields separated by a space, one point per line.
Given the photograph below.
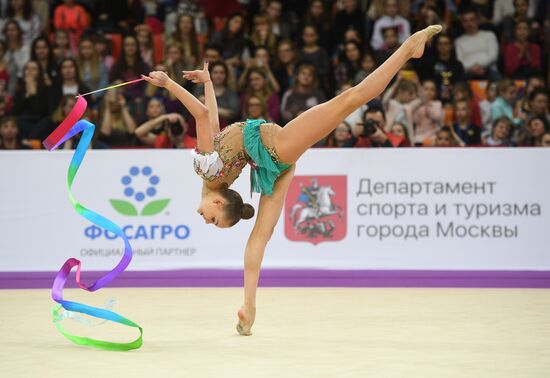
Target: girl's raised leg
x=313 y=125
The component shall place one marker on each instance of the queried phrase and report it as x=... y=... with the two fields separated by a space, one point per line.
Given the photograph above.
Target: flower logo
x=139 y=193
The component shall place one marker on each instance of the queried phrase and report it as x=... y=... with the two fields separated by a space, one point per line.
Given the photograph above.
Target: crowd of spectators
x=482 y=81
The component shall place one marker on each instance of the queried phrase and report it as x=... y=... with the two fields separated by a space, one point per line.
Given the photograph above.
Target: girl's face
x=185 y=24
x=342 y=133
x=305 y=77
x=254 y=107
x=218 y=75
x=173 y=54
x=31 y=70
x=536 y=127
x=316 y=9
x=352 y=52
x=130 y=46
x=501 y=131
x=41 y=50
x=368 y=63
x=262 y=55
x=256 y=81
x=429 y=90
x=68 y=70
x=509 y=94
x=86 y=49
x=235 y=24
x=309 y=36
x=443 y=139
x=461 y=111
x=285 y=53
x=9 y=130
x=61 y=39
x=397 y=129
x=491 y=92
x=12 y=32
x=154 y=108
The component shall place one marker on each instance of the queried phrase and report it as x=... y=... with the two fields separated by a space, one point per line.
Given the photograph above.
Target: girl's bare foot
x=246 y=319
x=418 y=40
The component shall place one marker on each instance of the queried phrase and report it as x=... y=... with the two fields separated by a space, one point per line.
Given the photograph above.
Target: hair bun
x=247 y=211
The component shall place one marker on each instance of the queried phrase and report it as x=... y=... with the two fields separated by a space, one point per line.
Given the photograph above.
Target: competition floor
x=302 y=332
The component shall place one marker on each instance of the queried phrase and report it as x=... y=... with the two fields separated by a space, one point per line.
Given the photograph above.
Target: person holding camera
x=165 y=131
x=371 y=131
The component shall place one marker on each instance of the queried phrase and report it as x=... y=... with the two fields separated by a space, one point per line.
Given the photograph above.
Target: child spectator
x=463 y=91
x=400 y=100
x=428 y=116
x=390 y=45
x=445 y=137
x=468 y=133
x=392 y=19
x=400 y=130
x=500 y=134
x=502 y=106
x=485 y=107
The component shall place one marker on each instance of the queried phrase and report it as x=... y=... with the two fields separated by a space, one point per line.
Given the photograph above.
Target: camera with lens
x=175 y=127
x=370 y=127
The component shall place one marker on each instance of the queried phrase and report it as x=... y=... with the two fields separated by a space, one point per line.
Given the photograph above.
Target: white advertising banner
x=434 y=209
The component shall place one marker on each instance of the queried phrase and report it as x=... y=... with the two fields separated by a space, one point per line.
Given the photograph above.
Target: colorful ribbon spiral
x=71 y=126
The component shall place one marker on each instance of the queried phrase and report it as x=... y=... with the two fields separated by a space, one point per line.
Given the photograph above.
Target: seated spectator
x=502 y=106
x=257 y=85
x=103 y=51
x=468 y=133
x=232 y=40
x=339 y=137
x=261 y=60
x=281 y=26
x=9 y=135
x=368 y=65
x=262 y=34
x=227 y=99
x=477 y=49
x=193 y=8
x=255 y=108
x=304 y=94
x=350 y=17
x=390 y=45
x=17 y=53
x=212 y=52
x=485 y=107
x=117 y=124
x=428 y=116
x=521 y=58
x=350 y=63
x=168 y=100
x=445 y=137
x=538 y=104
x=93 y=72
x=175 y=64
x=71 y=17
x=400 y=101
x=501 y=133
x=30 y=103
x=146 y=46
x=534 y=131
x=68 y=83
x=62 y=46
x=463 y=91
x=391 y=19
x=318 y=16
x=400 y=130
x=517 y=10
x=286 y=65
x=23 y=12
x=185 y=37
x=314 y=54
x=522 y=104
x=42 y=53
x=427 y=15
x=170 y=132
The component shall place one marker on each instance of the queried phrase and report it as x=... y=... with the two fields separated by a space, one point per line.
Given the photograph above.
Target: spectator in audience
x=504 y=9
x=73 y=18
x=42 y=53
x=400 y=130
x=286 y=65
x=30 y=103
x=176 y=64
x=535 y=129
x=146 y=46
x=117 y=124
x=445 y=137
x=463 y=91
x=340 y=137
x=192 y=8
x=468 y=133
x=502 y=106
x=257 y=85
x=232 y=40
x=477 y=49
x=261 y=60
x=4 y=69
x=17 y=53
x=255 y=108
x=103 y=51
x=9 y=135
x=428 y=15
x=350 y=17
x=169 y=101
x=318 y=16
x=185 y=37
x=62 y=46
x=227 y=98
x=370 y=132
x=262 y=34
x=212 y=52
x=390 y=19
x=533 y=82
x=485 y=107
x=93 y=72
x=172 y=134
x=314 y=54
x=280 y=26
x=538 y=104
x=501 y=133
x=304 y=94
x=546 y=139
x=521 y=58
x=349 y=65
x=400 y=101
x=390 y=45
x=428 y=116
x=69 y=83
x=368 y=65
x=22 y=11
x=509 y=22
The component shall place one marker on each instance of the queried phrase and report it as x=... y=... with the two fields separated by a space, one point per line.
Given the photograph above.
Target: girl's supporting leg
x=316 y=123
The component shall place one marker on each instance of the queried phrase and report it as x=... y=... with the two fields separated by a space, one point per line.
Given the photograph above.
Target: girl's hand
x=198 y=76
x=157 y=78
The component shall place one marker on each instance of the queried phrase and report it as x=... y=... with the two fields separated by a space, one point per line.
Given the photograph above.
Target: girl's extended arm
x=205 y=137
x=203 y=76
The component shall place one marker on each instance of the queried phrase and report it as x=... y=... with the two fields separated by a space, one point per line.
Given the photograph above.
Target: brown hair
x=235 y=209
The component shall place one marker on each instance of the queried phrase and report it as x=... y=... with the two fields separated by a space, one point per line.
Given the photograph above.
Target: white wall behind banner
x=438 y=209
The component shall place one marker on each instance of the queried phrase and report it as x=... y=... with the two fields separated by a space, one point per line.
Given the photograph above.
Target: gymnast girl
x=272 y=152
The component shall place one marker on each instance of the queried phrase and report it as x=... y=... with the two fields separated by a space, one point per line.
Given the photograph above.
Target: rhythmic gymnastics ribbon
x=71 y=126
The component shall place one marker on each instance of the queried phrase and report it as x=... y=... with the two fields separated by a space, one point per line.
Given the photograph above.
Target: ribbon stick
x=71 y=126
x=111 y=87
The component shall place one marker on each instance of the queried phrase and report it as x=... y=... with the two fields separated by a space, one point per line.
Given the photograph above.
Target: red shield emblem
x=316 y=209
